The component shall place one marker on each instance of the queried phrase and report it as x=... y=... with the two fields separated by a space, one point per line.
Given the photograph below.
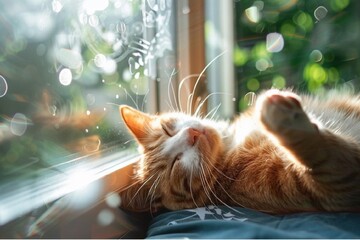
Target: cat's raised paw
x=282 y=111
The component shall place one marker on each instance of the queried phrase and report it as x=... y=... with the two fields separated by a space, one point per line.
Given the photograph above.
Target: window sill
x=81 y=185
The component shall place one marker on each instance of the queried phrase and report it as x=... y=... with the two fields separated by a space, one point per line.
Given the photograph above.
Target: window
x=66 y=66
x=308 y=45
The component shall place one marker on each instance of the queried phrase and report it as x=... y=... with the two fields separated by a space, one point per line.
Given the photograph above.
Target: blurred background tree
x=307 y=45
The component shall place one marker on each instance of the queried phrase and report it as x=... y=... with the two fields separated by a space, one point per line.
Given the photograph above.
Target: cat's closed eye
x=166 y=130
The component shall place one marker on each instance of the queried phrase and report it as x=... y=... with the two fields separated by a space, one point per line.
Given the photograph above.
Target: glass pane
x=309 y=45
x=65 y=67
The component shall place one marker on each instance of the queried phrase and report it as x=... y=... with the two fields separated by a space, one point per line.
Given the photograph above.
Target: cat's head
x=179 y=153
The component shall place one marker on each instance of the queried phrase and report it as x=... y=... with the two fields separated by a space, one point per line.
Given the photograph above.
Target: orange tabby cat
x=285 y=154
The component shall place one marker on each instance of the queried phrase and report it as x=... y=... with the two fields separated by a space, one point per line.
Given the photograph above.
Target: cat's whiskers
x=129 y=186
x=129 y=141
x=142 y=185
x=131 y=98
x=188 y=107
x=145 y=100
x=173 y=105
x=213 y=112
x=153 y=190
x=198 y=79
x=198 y=109
x=205 y=184
x=219 y=171
x=191 y=192
x=179 y=90
x=219 y=199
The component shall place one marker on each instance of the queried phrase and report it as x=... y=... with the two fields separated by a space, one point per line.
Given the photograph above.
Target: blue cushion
x=228 y=222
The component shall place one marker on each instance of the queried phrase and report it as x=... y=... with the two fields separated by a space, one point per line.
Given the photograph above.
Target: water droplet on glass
x=132 y=63
x=3 y=86
x=93 y=20
x=250 y=98
x=53 y=109
x=83 y=18
x=18 y=124
x=316 y=56
x=105 y=217
x=274 y=42
x=121 y=27
x=65 y=76
x=320 y=13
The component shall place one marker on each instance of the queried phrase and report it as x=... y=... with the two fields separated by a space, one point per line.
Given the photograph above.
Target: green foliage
x=320 y=49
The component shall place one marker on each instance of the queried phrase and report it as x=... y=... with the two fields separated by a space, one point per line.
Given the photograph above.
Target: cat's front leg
x=282 y=114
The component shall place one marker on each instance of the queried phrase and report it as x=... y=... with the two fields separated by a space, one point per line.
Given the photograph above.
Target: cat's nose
x=193 y=135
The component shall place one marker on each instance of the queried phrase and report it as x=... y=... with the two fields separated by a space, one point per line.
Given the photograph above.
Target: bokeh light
x=105 y=217
x=274 y=42
x=262 y=64
x=253 y=14
x=339 y=5
x=113 y=199
x=278 y=82
x=18 y=124
x=253 y=84
x=316 y=56
x=320 y=13
x=65 y=77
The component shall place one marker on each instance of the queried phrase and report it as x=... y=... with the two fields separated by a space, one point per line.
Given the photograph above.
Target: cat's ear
x=137 y=122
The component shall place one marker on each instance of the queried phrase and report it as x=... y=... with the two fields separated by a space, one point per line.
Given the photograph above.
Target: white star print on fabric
x=210 y=212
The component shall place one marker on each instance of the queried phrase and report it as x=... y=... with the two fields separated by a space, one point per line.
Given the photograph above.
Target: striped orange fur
x=287 y=153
